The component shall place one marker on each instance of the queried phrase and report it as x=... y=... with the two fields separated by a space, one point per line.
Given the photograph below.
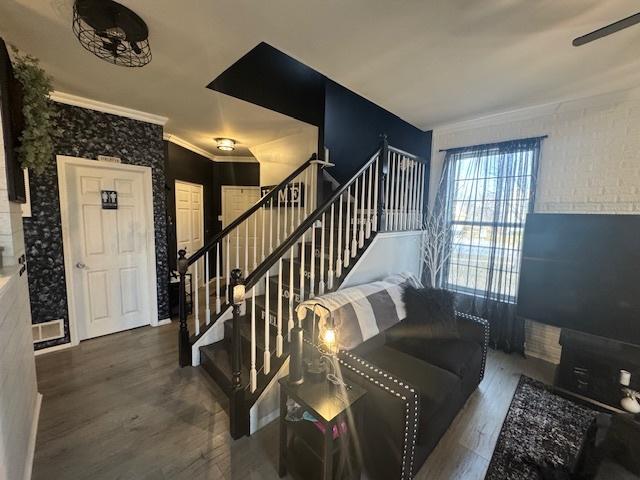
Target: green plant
x=36 y=140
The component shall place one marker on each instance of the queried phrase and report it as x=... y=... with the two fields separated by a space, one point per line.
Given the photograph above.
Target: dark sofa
x=415 y=385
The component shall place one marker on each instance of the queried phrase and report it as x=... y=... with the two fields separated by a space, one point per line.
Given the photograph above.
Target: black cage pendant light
x=112 y=32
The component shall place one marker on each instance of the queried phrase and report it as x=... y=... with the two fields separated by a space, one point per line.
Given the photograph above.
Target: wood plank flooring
x=118 y=407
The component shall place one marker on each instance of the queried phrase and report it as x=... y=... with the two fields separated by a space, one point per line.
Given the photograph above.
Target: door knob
x=80 y=265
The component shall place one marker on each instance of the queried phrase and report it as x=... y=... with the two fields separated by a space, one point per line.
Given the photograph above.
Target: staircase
x=313 y=253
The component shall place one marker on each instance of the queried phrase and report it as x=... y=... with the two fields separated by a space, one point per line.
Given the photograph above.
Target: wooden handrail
x=303 y=227
x=257 y=206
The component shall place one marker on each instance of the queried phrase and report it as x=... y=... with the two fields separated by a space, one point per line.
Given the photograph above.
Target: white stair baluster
x=253 y=374
x=306 y=193
x=218 y=278
x=374 y=221
x=362 y=210
x=339 y=250
x=245 y=267
x=354 y=220
x=347 y=253
x=392 y=193
x=416 y=194
x=286 y=208
x=270 y=226
x=421 y=197
x=196 y=303
x=237 y=265
x=369 y=199
x=321 y=284
x=279 y=345
x=278 y=219
x=255 y=239
x=409 y=194
x=403 y=184
x=302 y=259
x=207 y=311
x=407 y=204
x=228 y=281
x=263 y=239
x=290 y=324
x=267 y=314
x=300 y=188
x=312 y=262
x=330 y=272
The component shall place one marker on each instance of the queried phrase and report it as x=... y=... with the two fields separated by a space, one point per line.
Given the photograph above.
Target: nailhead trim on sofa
x=394 y=386
x=485 y=344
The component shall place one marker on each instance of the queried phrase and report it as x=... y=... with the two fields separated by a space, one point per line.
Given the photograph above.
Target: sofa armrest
x=388 y=435
x=477 y=330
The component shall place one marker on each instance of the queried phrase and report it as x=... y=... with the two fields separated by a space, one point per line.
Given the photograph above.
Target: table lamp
x=630 y=401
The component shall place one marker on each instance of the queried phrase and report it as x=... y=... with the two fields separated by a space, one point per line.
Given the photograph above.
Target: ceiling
x=430 y=62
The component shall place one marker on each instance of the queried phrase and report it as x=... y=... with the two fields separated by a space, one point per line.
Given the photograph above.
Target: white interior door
x=190 y=220
x=108 y=249
x=235 y=201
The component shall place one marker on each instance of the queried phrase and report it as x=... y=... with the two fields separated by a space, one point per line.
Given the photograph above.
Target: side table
x=330 y=406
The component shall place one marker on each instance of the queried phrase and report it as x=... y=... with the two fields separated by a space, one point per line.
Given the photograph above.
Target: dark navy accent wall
x=348 y=124
x=353 y=127
x=87 y=134
x=183 y=164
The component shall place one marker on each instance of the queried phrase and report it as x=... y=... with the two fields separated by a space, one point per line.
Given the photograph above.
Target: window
x=489 y=190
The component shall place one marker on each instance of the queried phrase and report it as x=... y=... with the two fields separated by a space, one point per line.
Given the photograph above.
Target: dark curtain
x=487 y=191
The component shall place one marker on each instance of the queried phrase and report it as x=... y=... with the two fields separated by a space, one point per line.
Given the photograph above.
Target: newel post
x=383 y=169
x=184 y=346
x=237 y=414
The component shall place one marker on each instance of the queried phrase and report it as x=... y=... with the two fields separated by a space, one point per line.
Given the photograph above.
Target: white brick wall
x=18 y=389
x=589 y=164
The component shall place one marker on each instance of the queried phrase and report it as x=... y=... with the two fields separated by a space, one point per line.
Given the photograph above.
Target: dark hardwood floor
x=118 y=407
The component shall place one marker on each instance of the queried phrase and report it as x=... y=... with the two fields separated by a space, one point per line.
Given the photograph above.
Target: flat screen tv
x=582 y=272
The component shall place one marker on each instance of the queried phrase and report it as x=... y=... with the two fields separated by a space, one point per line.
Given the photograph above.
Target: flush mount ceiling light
x=225 y=144
x=112 y=32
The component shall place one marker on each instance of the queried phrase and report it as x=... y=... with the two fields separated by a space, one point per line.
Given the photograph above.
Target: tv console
x=590 y=367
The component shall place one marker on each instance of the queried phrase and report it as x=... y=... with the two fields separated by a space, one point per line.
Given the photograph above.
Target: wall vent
x=47 y=331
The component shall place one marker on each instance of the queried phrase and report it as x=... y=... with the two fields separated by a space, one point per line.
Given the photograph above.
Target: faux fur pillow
x=430 y=312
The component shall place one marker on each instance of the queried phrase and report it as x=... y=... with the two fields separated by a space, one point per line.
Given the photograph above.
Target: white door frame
x=201 y=273
x=184 y=182
x=63 y=161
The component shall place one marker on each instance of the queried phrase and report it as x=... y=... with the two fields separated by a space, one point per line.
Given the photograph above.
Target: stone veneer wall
x=88 y=133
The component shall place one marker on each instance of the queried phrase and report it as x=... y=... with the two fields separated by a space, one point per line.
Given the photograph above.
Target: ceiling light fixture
x=226 y=144
x=111 y=32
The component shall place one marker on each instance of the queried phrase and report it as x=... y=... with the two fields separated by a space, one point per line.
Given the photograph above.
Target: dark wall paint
x=267 y=77
x=87 y=134
x=183 y=164
x=353 y=128
x=349 y=125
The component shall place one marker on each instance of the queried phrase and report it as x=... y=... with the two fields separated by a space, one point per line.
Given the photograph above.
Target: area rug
x=540 y=429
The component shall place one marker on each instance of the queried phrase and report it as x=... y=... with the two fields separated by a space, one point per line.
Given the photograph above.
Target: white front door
x=108 y=248
x=236 y=201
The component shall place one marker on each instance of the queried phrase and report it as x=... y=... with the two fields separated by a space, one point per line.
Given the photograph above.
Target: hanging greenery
x=36 y=140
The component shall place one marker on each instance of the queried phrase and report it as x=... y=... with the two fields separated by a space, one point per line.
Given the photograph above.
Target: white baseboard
x=165 y=321
x=55 y=348
x=28 y=468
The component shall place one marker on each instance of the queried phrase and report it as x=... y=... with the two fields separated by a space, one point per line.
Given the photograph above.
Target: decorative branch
x=438 y=238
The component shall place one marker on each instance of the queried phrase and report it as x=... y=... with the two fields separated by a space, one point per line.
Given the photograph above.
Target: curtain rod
x=494 y=143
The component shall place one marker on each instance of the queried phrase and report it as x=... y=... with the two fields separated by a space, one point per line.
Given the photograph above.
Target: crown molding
x=83 y=102
x=534 y=111
x=169 y=137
